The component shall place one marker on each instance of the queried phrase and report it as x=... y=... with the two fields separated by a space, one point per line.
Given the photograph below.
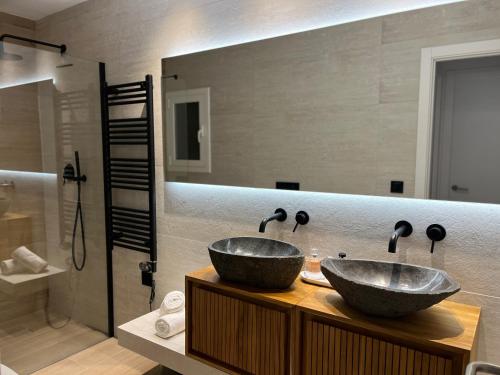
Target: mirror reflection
x=324 y=111
x=467 y=131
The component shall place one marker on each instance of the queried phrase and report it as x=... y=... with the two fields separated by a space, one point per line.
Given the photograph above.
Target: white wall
x=132 y=36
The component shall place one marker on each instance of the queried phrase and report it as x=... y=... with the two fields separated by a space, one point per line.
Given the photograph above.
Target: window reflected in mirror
x=187 y=126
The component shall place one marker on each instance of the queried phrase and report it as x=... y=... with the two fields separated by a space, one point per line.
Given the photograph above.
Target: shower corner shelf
x=27 y=283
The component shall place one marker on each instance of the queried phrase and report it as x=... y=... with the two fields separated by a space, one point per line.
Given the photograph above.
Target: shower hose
x=78 y=215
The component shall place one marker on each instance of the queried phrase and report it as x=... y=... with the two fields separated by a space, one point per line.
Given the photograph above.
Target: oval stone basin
x=387 y=289
x=257 y=262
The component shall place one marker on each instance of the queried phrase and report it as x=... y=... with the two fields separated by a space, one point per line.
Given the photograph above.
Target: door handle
x=459 y=189
x=200 y=134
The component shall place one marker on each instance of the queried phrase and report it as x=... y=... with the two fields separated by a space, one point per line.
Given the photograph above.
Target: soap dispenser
x=312 y=265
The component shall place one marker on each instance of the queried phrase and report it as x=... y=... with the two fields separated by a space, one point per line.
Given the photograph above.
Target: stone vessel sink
x=387 y=289
x=257 y=262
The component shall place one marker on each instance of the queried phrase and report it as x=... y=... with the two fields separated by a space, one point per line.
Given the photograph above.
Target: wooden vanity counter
x=240 y=329
x=286 y=298
x=438 y=340
x=308 y=329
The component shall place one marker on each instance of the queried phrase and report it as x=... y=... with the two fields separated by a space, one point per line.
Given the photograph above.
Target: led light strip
x=28 y=174
x=296 y=25
x=26 y=82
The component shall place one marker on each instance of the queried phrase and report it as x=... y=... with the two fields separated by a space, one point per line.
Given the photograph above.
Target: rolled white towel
x=12 y=266
x=173 y=302
x=29 y=259
x=170 y=324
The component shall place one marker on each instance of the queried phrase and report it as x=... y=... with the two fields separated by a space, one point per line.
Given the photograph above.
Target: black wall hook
x=435 y=233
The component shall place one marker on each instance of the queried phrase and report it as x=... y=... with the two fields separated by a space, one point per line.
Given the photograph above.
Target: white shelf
x=24 y=283
x=4 y=370
x=139 y=336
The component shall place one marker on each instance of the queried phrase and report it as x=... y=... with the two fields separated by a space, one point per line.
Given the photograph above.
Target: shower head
x=8 y=56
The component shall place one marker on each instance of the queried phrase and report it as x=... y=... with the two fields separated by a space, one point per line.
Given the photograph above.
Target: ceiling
x=35 y=9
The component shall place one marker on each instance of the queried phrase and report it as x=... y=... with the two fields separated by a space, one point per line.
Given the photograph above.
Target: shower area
x=53 y=282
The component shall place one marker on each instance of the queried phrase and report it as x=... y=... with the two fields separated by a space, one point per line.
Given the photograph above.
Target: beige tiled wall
x=19 y=118
x=20 y=144
x=132 y=37
x=10 y=24
x=15 y=231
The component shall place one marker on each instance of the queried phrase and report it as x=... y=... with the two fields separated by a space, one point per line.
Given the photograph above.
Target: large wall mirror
x=333 y=110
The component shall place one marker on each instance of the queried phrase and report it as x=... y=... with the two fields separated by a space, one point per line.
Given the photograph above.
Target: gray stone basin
x=256 y=262
x=387 y=289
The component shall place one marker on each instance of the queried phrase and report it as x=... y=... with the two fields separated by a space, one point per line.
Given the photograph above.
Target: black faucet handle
x=342 y=255
x=436 y=233
x=301 y=218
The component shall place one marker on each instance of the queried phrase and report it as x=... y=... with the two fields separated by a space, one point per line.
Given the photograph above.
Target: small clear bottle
x=312 y=266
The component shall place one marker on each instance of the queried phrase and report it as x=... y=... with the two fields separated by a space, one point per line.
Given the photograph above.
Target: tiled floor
x=28 y=343
x=105 y=358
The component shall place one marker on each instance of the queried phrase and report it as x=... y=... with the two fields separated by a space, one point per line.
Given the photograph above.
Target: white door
x=466 y=165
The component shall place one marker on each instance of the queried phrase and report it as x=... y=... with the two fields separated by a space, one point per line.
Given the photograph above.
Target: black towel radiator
x=126 y=227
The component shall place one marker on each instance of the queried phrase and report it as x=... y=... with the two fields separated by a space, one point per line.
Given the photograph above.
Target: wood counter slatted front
x=439 y=340
x=240 y=329
x=310 y=330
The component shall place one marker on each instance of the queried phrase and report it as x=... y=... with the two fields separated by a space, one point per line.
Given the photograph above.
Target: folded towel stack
x=11 y=266
x=173 y=302
x=23 y=261
x=29 y=259
x=170 y=324
x=172 y=318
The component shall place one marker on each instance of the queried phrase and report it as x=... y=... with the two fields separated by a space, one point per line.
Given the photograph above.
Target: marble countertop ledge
x=139 y=336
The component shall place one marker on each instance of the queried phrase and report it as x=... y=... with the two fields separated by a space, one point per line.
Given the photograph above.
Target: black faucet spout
x=401 y=229
x=279 y=215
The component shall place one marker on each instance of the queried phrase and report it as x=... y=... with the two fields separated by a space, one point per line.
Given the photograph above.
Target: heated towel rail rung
x=121 y=85
x=130 y=119
x=128 y=96
x=135 y=248
x=128 y=209
x=113 y=160
x=127 y=102
x=124 y=187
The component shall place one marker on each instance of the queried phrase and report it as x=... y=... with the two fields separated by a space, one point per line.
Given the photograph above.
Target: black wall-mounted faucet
x=401 y=229
x=279 y=214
